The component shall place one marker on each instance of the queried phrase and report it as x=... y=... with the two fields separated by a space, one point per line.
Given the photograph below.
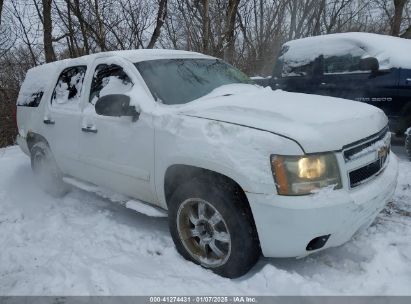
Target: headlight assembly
x=300 y=175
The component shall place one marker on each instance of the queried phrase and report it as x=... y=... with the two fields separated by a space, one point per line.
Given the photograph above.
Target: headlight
x=300 y=175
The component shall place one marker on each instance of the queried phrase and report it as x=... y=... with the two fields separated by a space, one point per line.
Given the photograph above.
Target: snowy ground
x=83 y=244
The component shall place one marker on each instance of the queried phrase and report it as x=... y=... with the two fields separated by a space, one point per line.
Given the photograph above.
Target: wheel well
x=176 y=175
x=32 y=138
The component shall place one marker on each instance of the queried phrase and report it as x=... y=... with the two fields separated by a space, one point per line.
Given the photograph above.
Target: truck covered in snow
x=242 y=171
x=370 y=68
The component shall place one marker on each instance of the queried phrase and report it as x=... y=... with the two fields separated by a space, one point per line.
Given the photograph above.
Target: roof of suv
x=38 y=78
x=390 y=51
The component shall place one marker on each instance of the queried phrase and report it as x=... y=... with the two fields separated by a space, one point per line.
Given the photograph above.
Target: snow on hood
x=391 y=52
x=317 y=123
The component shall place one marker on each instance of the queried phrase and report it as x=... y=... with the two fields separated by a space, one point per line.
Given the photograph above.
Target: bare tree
x=161 y=16
x=47 y=31
x=231 y=15
x=1 y=9
x=206 y=25
x=397 y=18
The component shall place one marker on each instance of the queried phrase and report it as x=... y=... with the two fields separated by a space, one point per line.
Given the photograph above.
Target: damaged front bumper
x=294 y=226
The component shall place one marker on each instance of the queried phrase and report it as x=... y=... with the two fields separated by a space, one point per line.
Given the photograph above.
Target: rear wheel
x=46 y=171
x=212 y=226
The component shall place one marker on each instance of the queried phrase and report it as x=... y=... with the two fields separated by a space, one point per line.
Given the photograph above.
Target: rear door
x=63 y=116
x=117 y=153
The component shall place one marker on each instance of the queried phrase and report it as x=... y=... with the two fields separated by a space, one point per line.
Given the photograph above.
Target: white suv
x=242 y=170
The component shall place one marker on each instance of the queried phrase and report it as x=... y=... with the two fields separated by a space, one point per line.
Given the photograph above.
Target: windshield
x=178 y=81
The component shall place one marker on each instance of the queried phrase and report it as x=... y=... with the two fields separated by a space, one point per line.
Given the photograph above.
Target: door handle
x=327 y=85
x=49 y=121
x=90 y=129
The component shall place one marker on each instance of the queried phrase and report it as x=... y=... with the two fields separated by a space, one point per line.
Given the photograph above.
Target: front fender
x=238 y=152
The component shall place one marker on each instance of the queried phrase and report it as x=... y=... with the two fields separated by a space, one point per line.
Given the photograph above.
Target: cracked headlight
x=300 y=175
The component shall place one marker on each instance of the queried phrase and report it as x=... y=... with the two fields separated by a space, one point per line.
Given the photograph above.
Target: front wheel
x=46 y=171
x=212 y=226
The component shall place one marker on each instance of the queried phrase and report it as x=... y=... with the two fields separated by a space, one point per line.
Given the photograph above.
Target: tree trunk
x=230 y=30
x=206 y=26
x=47 y=29
x=70 y=40
x=101 y=38
x=396 y=21
x=79 y=17
x=161 y=16
x=1 y=9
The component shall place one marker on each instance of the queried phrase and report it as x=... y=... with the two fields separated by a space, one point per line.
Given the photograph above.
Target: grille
x=379 y=144
x=351 y=150
x=363 y=174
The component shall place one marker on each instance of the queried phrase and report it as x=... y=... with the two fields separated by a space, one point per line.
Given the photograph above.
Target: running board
x=136 y=205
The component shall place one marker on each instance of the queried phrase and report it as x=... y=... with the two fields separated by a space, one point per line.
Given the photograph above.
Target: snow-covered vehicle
x=408 y=142
x=242 y=170
x=370 y=68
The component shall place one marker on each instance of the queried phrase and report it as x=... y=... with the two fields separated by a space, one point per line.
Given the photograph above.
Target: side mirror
x=116 y=105
x=369 y=64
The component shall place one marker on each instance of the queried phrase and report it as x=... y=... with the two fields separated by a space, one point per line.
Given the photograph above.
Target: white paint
x=233 y=131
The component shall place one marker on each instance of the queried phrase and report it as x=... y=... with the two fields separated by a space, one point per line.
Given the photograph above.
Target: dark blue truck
x=370 y=68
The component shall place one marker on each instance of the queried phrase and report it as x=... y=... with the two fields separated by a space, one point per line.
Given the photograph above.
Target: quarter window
x=69 y=86
x=31 y=100
x=109 y=79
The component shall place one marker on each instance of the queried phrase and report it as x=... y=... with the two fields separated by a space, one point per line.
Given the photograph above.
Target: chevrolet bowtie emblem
x=382 y=152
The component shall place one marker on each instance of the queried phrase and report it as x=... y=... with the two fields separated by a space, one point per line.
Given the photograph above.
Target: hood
x=317 y=123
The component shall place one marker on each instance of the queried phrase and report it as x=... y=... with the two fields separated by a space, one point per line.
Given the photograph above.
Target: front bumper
x=286 y=224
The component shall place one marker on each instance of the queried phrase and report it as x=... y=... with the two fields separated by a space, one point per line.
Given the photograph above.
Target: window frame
x=88 y=100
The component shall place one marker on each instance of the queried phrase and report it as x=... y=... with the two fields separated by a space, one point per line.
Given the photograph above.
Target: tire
x=46 y=171
x=222 y=236
x=408 y=144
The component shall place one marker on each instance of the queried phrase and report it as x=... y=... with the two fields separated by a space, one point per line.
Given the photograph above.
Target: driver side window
x=109 y=79
x=341 y=64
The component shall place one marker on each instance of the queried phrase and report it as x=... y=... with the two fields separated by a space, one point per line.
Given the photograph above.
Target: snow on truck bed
x=85 y=245
x=391 y=52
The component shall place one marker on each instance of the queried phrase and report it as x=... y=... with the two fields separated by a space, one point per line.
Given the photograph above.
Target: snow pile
x=84 y=245
x=391 y=52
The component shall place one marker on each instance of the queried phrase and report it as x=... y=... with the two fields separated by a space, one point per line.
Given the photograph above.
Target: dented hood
x=317 y=123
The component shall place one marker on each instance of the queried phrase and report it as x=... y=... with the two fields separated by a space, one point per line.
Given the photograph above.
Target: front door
x=117 y=153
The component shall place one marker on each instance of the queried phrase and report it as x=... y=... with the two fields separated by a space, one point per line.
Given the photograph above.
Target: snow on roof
x=133 y=56
x=390 y=51
x=38 y=77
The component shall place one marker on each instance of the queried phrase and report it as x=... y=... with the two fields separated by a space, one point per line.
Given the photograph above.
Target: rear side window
x=31 y=100
x=69 y=86
x=109 y=79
